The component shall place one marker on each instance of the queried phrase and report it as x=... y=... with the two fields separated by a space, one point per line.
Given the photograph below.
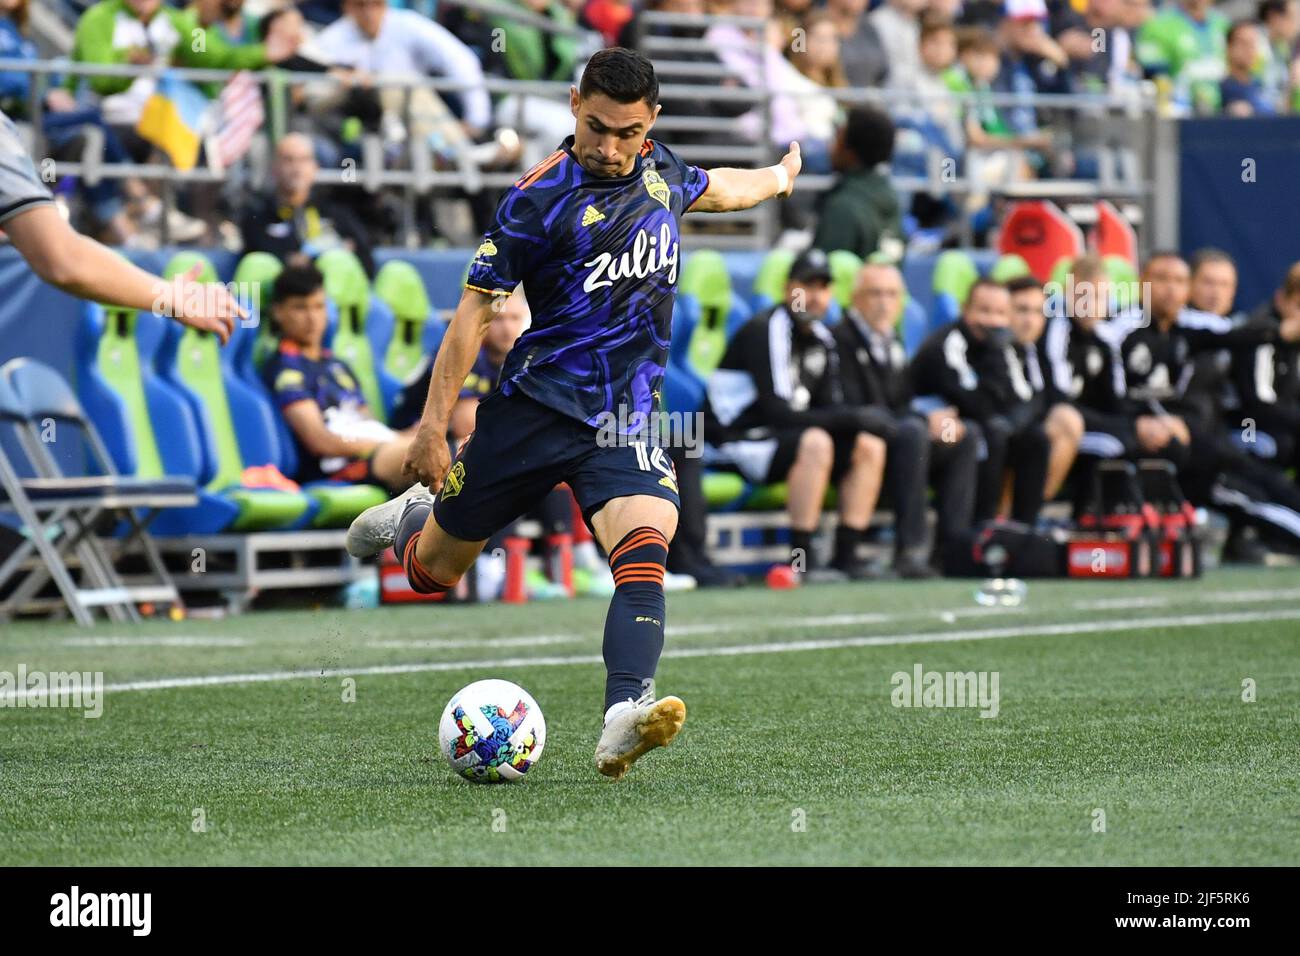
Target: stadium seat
x=769 y=283
x=706 y=283
x=1008 y=267
x=1113 y=234
x=1041 y=234
x=954 y=274
x=348 y=288
x=238 y=427
x=1124 y=281
x=58 y=478
x=417 y=331
x=130 y=406
x=844 y=273
x=257 y=272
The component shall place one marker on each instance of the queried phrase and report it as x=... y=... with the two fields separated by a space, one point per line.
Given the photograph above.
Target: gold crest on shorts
x=655 y=186
x=454 y=481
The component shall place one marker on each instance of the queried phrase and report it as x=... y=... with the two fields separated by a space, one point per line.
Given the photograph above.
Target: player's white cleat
x=376 y=528
x=642 y=725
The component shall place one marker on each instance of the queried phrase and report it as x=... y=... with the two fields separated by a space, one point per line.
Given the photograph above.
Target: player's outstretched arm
x=429 y=459
x=82 y=267
x=731 y=189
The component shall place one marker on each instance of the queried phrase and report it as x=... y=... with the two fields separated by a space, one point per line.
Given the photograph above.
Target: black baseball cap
x=811 y=264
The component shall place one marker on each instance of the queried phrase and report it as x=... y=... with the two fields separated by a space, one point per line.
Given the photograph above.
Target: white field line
x=155 y=642
x=527 y=640
x=8 y=698
x=1258 y=596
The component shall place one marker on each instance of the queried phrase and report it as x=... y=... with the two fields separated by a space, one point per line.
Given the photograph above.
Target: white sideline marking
x=530 y=640
x=782 y=647
x=156 y=642
x=1208 y=597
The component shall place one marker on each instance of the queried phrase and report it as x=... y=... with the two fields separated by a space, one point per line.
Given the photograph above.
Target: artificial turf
x=793 y=751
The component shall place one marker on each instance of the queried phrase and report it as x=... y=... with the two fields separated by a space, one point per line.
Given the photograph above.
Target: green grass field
x=1124 y=698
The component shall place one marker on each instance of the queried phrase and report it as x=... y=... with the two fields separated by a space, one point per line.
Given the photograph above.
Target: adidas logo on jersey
x=591 y=214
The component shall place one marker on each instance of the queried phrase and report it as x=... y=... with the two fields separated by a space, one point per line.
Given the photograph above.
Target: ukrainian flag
x=173 y=120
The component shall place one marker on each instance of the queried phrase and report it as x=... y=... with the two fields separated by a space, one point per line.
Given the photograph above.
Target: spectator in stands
x=974 y=365
x=1100 y=48
x=775 y=411
x=800 y=110
x=815 y=51
x=938 y=52
x=372 y=39
x=866 y=63
x=336 y=434
x=1032 y=63
x=607 y=17
x=932 y=447
x=66 y=122
x=295 y=217
x=994 y=150
x=146 y=32
x=861 y=211
x=897 y=23
x=529 y=53
x=228 y=17
x=688 y=52
x=1281 y=21
x=1062 y=422
x=1267 y=380
x=1241 y=92
x=1183 y=45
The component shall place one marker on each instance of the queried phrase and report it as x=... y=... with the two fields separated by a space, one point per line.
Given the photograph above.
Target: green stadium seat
x=191 y=360
x=416 y=331
x=348 y=287
x=258 y=271
x=769 y=283
x=1008 y=267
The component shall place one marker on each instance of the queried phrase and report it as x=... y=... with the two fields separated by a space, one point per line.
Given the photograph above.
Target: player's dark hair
x=1021 y=283
x=869 y=135
x=295 y=281
x=1209 y=254
x=624 y=75
x=1237 y=27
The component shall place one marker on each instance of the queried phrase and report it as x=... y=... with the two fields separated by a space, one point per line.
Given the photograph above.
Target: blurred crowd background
x=433 y=106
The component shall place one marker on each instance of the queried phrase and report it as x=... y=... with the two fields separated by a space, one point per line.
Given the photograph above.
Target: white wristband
x=782 y=179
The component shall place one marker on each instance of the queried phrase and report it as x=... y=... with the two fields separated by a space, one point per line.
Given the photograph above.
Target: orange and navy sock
x=634 y=627
x=408 y=537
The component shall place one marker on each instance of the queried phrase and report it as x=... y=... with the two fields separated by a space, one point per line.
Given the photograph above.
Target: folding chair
x=60 y=505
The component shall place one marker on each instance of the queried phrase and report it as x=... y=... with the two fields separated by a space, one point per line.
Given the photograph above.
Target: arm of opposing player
x=732 y=189
x=82 y=267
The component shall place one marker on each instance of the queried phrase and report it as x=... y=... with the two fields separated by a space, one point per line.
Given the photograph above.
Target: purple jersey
x=598 y=258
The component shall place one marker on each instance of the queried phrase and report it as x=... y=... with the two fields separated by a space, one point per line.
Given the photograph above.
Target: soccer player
x=336 y=434
x=592 y=233
x=82 y=267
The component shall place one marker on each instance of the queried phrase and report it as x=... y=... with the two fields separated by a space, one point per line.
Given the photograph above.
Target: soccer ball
x=492 y=732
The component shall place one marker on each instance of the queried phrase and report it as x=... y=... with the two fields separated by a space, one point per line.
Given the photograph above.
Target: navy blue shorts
x=520 y=449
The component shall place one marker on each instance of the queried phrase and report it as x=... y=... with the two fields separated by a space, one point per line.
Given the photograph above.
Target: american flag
x=239 y=117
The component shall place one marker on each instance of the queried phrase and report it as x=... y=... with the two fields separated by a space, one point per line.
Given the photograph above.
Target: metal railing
x=1131 y=119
